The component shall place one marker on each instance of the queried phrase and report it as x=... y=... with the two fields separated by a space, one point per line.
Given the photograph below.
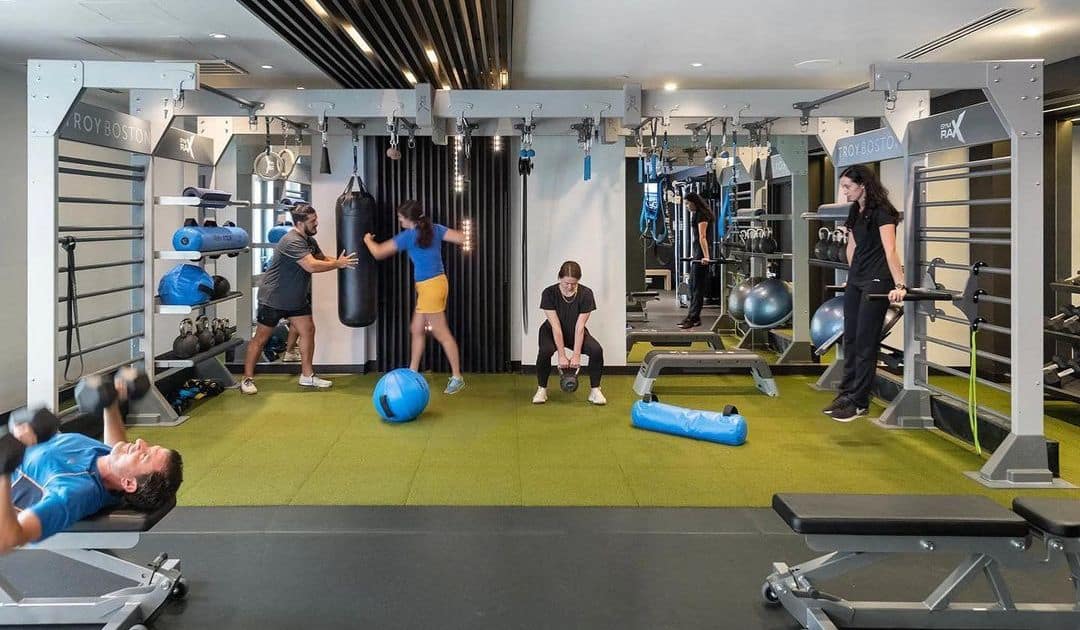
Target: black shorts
x=270 y=316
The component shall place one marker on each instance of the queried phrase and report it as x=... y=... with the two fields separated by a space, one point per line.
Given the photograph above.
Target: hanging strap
x=68 y=244
x=524 y=169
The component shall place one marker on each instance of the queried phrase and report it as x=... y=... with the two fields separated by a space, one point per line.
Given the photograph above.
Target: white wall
x=571 y=219
x=13 y=253
x=956 y=253
x=335 y=343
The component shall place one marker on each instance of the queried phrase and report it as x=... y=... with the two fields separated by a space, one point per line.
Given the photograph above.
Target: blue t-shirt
x=427 y=261
x=59 y=482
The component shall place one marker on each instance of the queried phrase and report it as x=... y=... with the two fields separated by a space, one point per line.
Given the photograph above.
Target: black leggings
x=699 y=281
x=863 y=321
x=590 y=348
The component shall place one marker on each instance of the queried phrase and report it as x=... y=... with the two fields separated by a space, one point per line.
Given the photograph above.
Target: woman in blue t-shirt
x=422 y=240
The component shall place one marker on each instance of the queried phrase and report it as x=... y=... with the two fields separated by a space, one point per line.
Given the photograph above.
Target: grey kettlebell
x=204 y=334
x=834 y=245
x=186 y=345
x=767 y=244
x=568 y=380
x=219 y=331
x=821 y=248
x=841 y=254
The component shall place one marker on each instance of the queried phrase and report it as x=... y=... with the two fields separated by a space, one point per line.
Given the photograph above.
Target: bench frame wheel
x=769 y=596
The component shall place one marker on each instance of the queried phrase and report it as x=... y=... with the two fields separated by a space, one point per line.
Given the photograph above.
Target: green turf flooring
x=489 y=446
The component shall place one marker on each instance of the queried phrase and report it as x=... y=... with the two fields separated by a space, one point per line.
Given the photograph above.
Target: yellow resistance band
x=973 y=416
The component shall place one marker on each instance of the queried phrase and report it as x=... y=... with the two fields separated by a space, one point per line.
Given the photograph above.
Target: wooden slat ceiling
x=470 y=38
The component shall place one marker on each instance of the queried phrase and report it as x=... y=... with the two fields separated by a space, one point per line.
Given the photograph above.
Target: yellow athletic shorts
x=431 y=294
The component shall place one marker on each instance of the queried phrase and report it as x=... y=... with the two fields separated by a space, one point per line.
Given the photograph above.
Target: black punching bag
x=355 y=213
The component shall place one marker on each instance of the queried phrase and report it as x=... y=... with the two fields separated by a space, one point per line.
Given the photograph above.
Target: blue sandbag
x=278 y=231
x=194 y=238
x=186 y=285
x=711 y=426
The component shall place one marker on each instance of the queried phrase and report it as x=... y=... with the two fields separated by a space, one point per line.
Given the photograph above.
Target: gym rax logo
x=187 y=145
x=951 y=129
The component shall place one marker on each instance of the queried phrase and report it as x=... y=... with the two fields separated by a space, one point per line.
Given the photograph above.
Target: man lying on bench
x=52 y=480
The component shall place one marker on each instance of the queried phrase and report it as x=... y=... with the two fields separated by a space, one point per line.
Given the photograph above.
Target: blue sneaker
x=455 y=385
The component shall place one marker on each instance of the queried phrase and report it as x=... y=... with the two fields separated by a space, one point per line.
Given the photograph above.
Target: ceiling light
x=317 y=8
x=432 y=57
x=410 y=77
x=817 y=64
x=266 y=66
x=670 y=87
x=1032 y=31
x=446 y=86
x=351 y=31
x=218 y=35
x=696 y=64
x=299 y=87
x=504 y=78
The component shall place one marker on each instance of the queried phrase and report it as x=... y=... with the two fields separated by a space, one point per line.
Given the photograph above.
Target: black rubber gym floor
x=498 y=568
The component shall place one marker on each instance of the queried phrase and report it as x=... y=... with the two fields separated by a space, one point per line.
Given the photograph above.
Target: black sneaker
x=848 y=411
x=686 y=323
x=837 y=403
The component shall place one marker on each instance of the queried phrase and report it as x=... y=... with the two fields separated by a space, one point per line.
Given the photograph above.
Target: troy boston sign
x=872 y=146
x=106 y=128
x=965 y=127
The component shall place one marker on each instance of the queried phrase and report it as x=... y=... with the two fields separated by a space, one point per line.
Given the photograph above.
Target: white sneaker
x=596 y=397
x=292 y=356
x=314 y=381
x=247 y=386
x=541 y=396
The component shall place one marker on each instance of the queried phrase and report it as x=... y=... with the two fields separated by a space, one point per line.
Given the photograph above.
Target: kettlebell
x=221 y=287
x=833 y=244
x=203 y=334
x=767 y=245
x=821 y=248
x=186 y=345
x=230 y=330
x=755 y=241
x=840 y=246
x=568 y=380
x=219 y=331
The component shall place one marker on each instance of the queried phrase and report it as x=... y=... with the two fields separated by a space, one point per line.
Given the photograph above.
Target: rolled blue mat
x=192 y=238
x=710 y=426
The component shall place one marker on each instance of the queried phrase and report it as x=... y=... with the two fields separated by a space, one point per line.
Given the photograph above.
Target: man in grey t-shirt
x=285 y=293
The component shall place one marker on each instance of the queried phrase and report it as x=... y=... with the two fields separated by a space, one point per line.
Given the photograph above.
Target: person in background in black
x=874 y=268
x=567 y=305
x=701 y=224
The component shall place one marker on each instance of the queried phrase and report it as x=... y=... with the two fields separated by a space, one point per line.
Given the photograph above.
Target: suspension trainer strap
x=73 y=331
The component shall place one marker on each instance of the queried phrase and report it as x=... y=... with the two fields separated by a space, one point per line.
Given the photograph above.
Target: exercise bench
x=88 y=542
x=636 y=310
x=860 y=530
x=705 y=362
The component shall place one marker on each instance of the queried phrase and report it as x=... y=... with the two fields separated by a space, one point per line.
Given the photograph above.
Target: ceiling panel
x=469 y=38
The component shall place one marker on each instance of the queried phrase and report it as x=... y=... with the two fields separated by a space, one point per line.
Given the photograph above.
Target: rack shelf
x=1064 y=286
x=817 y=262
x=778 y=256
x=193 y=202
x=180 y=309
x=1067 y=393
x=175 y=255
x=1063 y=335
x=169 y=364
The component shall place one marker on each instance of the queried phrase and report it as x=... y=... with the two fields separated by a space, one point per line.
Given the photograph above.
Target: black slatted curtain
x=478 y=310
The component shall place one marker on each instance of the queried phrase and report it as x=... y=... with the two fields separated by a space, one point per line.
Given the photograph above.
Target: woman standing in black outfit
x=701 y=220
x=874 y=268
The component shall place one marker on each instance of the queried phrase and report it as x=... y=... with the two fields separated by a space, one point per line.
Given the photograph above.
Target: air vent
x=212 y=67
x=971 y=27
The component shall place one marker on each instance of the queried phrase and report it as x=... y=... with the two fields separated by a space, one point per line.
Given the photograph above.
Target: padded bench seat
x=898 y=515
x=1058 y=517
x=121 y=519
